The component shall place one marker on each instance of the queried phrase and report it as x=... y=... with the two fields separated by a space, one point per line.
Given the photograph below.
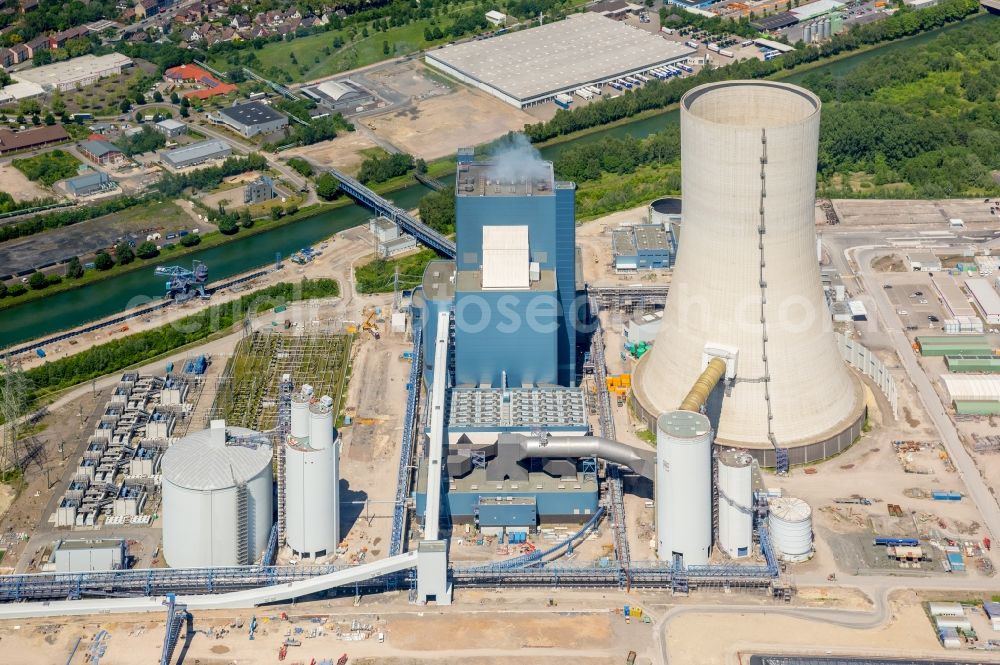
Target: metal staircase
x=176 y=615
x=762 y=231
x=242 y=524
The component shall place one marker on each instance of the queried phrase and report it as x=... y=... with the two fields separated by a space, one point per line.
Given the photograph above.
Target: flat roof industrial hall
x=533 y=65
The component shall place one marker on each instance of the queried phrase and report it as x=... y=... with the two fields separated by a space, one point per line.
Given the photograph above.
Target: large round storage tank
x=667 y=211
x=807 y=33
x=684 y=488
x=217 y=498
x=300 y=411
x=312 y=490
x=790 y=521
x=735 y=503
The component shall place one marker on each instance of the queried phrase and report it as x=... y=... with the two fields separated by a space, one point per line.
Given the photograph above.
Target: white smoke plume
x=515 y=158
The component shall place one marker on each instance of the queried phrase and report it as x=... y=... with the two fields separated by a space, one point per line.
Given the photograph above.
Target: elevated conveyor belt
x=404 y=220
x=235 y=599
x=432 y=512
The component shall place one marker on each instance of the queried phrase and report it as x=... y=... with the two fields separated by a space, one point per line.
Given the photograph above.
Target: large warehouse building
x=532 y=66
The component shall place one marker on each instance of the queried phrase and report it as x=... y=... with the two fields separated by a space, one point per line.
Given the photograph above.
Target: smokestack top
x=514 y=168
x=757 y=104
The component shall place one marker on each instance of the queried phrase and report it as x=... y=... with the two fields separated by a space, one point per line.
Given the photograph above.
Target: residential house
x=145 y=8
x=37 y=45
x=21 y=53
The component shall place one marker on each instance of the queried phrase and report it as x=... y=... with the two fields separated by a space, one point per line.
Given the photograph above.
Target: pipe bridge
x=404 y=220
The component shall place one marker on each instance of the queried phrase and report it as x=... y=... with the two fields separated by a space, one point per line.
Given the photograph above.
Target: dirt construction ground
x=17 y=185
x=343 y=152
x=439 y=126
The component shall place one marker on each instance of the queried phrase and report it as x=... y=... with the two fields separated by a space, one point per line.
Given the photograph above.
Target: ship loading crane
x=182 y=282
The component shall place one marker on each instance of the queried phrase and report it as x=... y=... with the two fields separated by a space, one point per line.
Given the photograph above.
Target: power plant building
x=512 y=290
x=748 y=154
x=532 y=66
x=217 y=497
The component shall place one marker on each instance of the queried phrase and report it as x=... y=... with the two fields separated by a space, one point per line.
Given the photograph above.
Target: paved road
x=966 y=466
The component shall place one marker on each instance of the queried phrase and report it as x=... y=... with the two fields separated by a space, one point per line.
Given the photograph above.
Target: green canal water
x=73 y=308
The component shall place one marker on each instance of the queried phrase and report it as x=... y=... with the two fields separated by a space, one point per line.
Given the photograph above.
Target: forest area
x=921 y=122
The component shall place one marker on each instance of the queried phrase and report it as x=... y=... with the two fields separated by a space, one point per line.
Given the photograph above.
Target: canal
x=73 y=308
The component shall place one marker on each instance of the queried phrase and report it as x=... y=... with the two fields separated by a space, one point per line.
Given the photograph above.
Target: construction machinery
x=183 y=283
x=369 y=323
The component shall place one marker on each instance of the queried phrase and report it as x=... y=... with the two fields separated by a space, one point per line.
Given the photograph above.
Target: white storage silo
x=807 y=33
x=735 y=503
x=790 y=521
x=683 y=488
x=312 y=490
x=217 y=497
x=300 y=411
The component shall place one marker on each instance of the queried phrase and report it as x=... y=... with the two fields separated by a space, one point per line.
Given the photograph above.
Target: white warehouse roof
x=986 y=296
x=806 y=12
x=972 y=388
x=558 y=56
x=204 y=461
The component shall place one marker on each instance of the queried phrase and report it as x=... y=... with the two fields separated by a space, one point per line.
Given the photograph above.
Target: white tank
x=735 y=503
x=312 y=486
x=683 y=488
x=216 y=494
x=790 y=521
x=300 y=412
x=731 y=133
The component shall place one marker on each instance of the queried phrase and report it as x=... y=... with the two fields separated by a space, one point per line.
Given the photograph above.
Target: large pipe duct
x=702 y=388
x=513 y=448
x=640 y=461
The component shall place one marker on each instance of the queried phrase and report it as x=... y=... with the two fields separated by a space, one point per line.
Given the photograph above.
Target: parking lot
x=916 y=302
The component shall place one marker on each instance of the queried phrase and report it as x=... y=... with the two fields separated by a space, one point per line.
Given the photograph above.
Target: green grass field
x=313 y=62
x=48 y=167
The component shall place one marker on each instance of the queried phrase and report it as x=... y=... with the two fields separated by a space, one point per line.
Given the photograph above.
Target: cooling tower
x=746 y=285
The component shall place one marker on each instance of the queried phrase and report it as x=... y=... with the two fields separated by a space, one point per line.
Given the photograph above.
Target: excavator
x=370 y=325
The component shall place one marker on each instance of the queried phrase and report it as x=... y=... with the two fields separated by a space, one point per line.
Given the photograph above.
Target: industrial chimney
x=746 y=285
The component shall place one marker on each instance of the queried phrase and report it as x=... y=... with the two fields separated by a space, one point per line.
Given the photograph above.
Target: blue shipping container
x=956 y=561
x=628 y=611
x=946 y=496
x=911 y=542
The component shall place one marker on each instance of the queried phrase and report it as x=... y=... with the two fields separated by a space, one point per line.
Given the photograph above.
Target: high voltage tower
x=13 y=406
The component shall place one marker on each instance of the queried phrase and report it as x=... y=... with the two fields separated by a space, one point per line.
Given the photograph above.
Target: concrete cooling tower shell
x=748 y=157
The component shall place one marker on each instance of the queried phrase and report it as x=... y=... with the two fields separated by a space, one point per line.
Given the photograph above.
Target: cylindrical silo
x=790 y=522
x=683 y=488
x=807 y=33
x=735 y=508
x=748 y=157
x=217 y=498
x=312 y=486
x=300 y=411
x=826 y=28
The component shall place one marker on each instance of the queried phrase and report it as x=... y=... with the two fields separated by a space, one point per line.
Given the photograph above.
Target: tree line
x=658 y=94
x=173 y=184
x=385 y=167
x=936 y=139
x=55 y=220
x=136 y=348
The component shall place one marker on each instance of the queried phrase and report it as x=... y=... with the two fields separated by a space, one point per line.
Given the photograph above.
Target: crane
x=182 y=281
